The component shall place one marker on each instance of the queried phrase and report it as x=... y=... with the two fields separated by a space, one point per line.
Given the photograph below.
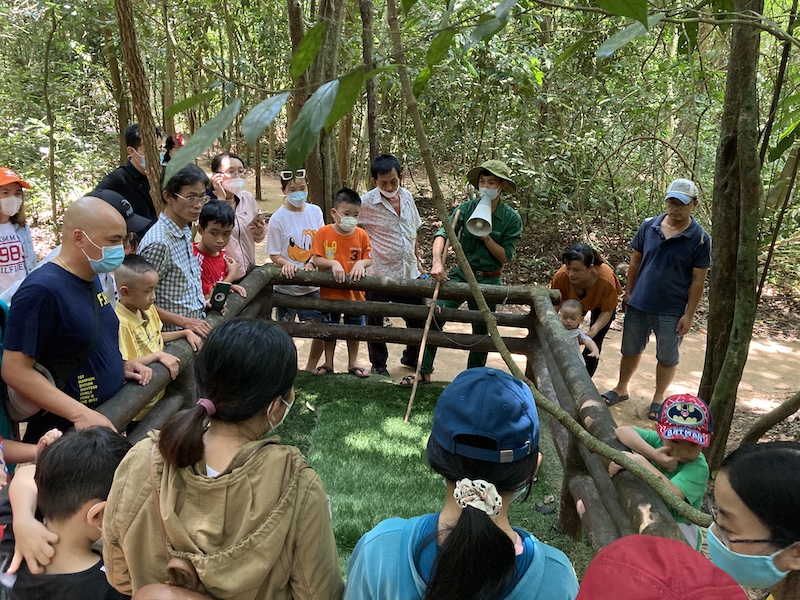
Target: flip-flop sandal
x=359 y=372
x=408 y=381
x=652 y=412
x=611 y=397
x=323 y=370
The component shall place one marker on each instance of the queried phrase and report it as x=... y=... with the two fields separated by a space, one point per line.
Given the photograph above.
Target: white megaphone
x=480 y=223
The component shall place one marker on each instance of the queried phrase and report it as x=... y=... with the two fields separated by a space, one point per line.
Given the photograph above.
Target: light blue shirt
x=382 y=567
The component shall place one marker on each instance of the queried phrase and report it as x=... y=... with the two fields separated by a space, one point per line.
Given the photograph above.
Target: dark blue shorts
x=336 y=318
x=303 y=314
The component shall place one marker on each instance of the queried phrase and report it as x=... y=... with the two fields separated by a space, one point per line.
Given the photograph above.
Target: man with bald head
x=62 y=319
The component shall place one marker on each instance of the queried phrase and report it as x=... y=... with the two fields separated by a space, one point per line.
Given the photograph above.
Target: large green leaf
x=307 y=50
x=627 y=35
x=422 y=80
x=688 y=37
x=440 y=46
x=634 y=9
x=261 y=115
x=188 y=103
x=202 y=139
x=484 y=31
x=504 y=8
x=349 y=89
x=305 y=131
x=408 y=5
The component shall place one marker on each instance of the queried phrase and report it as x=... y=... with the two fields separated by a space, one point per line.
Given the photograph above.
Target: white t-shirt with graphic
x=12 y=256
x=291 y=234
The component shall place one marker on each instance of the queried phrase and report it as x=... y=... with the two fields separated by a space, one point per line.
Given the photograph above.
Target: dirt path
x=771 y=375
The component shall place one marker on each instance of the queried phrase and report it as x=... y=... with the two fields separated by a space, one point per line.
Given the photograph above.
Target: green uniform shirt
x=506 y=231
x=691 y=478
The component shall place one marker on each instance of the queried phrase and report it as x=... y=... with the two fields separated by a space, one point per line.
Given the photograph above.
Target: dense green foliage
x=593 y=141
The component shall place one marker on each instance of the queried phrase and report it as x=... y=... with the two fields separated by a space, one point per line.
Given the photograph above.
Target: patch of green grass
x=373 y=464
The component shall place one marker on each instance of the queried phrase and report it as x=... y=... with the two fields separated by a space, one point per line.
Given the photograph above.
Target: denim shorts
x=335 y=319
x=287 y=315
x=636 y=332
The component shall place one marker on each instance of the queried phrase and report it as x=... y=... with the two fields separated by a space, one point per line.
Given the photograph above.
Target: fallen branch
x=772 y=418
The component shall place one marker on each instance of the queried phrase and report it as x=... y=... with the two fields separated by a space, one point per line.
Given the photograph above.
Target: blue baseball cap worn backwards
x=491 y=404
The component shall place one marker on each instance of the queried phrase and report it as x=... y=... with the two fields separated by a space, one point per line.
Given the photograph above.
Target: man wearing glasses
x=168 y=246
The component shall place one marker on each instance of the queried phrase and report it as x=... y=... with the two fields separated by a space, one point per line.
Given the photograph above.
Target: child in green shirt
x=675 y=452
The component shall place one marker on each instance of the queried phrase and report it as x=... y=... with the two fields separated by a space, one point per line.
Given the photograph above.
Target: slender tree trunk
x=51 y=124
x=139 y=95
x=343 y=150
x=368 y=44
x=169 y=74
x=118 y=91
x=737 y=196
x=321 y=165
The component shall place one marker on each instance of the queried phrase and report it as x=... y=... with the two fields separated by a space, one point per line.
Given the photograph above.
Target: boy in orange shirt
x=344 y=249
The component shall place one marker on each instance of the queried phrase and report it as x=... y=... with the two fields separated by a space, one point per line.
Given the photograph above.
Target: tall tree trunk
x=51 y=123
x=118 y=91
x=368 y=44
x=343 y=150
x=140 y=98
x=168 y=97
x=321 y=165
x=737 y=196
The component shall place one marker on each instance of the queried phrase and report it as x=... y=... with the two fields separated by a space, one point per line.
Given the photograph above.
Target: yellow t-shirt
x=139 y=336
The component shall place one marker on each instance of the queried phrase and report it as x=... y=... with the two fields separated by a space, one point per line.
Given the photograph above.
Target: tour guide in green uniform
x=486 y=255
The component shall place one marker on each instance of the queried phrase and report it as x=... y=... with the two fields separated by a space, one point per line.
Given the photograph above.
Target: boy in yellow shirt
x=140 y=335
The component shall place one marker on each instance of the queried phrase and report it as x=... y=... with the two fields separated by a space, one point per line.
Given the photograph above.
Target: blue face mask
x=142 y=161
x=111 y=260
x=297 y=199
x=754 y=571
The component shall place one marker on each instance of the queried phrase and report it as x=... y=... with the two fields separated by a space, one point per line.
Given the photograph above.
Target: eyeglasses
x=289 y=175
x=724 y=536
x=194 y=199
x=233 y=172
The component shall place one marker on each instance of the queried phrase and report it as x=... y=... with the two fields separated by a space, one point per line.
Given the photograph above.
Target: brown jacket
x=261 y=530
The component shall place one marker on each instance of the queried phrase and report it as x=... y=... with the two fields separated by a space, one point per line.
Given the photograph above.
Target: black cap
x=133 y=221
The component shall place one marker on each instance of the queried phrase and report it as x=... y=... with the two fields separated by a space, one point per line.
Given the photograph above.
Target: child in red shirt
x=343 y=249
x=215 y=227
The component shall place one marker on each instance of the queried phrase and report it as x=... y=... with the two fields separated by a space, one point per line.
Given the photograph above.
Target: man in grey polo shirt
x=666 y=276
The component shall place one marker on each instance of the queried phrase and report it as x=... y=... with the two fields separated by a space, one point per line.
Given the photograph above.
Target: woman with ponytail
x=484 y=443
x=248 y=513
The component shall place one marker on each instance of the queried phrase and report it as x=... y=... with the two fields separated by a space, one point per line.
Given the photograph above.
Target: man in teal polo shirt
x=486 y=254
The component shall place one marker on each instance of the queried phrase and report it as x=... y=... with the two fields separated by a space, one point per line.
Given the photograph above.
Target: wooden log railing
x=604 y=508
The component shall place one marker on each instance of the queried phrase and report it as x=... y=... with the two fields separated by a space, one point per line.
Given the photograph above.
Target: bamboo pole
x=421 y=353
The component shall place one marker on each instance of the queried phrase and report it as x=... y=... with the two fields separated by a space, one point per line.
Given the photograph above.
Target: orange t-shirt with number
x=347 y=250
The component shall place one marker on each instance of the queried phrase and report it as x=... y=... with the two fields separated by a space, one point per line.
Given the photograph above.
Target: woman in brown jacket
x=248 y=513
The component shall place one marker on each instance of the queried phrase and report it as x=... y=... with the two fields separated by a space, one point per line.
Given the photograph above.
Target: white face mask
x=10 y=205
x=389 y=195
x=489 y=193
x=234 y=186
x=274 y=426
x=348 y=224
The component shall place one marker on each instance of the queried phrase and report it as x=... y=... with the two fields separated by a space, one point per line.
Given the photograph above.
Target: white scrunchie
x=478 y=494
